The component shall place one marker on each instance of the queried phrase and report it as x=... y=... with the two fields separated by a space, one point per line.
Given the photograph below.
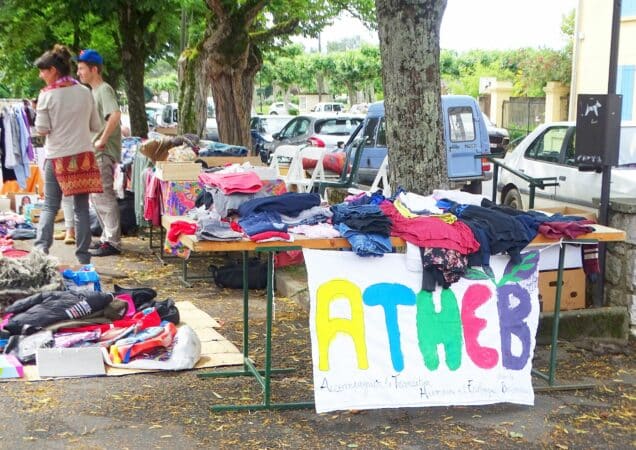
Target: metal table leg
x=263 y=377
x=552 y=366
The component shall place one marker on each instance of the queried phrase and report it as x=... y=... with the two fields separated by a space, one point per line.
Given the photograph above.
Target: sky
x=480 y=24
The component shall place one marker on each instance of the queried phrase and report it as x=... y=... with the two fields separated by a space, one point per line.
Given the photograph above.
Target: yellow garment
x=447 y=217
x=402 y=209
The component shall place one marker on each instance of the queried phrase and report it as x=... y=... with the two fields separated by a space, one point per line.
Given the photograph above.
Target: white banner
x=378 y=341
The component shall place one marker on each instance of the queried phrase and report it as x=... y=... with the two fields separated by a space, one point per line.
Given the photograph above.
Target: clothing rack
x=10 y=102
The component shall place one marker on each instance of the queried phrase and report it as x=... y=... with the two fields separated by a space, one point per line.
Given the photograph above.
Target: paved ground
x=170 y=410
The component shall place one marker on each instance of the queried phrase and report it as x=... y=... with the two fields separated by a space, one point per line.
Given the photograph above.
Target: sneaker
x=69 y=239
x=59 y=235
x=105 y=250
x=95 y=245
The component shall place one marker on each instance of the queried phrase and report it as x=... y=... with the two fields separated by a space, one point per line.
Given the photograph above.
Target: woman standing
x=66 y=115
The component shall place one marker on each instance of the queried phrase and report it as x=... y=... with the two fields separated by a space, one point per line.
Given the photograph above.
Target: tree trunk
x=351 y=93
x=133 y=57
x=193 y=89
x=231 y=64
x=133 y=68
x=320 y=81
x=409 y=48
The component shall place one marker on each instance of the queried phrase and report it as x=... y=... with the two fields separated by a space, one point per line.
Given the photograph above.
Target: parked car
x=359 y=108
x=153 y=114
x=330 y=131
x=498 y=137
x=170 y=115
x=280 y=108
x=328 y=107
x=465 y=139
x=549 y=151
x=263 y=127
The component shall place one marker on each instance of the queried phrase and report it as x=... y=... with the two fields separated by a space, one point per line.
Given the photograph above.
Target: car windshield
x=338 y=127
x=273 y=124
x=627 y=150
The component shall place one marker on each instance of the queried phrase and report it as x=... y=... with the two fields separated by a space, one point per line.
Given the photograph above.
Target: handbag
x=230 y=275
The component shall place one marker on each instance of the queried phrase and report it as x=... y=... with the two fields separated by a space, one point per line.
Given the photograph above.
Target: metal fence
x=521 y=115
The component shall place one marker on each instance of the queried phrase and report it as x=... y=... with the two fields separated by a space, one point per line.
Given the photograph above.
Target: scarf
x=61 y=82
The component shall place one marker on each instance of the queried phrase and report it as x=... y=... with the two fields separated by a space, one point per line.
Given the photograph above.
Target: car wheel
x=273 y=113
x=513 y=199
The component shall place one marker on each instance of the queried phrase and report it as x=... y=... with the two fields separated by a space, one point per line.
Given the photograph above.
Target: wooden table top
x=601 y=234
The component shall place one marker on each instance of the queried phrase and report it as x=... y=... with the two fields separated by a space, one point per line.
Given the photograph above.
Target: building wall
x=591 y=53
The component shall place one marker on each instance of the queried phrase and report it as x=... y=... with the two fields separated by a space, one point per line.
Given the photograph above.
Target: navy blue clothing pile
x=365 y=227
x=289 y=204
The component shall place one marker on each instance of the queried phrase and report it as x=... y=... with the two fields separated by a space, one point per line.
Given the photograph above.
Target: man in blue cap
x=107 y=144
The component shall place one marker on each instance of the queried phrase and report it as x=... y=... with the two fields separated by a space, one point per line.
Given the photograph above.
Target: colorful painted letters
x=450 y=327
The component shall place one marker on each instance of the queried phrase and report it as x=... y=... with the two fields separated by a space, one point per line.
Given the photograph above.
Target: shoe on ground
x=105 y=250
x=69 y=239
x=95 y=245
x=59 y=235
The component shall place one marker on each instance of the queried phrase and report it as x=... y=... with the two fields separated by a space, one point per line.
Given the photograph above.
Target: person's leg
x=82 y=228
x=52 y=200
x=106 y=205
x=69 y=220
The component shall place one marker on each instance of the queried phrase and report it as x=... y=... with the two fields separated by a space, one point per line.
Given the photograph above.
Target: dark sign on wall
x=598 y=122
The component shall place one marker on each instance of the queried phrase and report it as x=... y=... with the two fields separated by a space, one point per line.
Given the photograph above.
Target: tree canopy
x=239 y=31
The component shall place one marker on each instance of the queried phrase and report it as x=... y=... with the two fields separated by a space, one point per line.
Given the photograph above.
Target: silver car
x=549 y=151
x=330 y=131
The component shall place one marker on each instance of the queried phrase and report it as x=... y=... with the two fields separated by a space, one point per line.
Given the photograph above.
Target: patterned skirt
x=78 y=174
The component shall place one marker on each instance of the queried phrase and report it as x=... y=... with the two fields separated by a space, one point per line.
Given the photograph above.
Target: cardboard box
x=177 y=171
x=169 y=131
x=69 y=362
x=572 y=292
x=213 y=161
x=34 y=214
x=571 y=211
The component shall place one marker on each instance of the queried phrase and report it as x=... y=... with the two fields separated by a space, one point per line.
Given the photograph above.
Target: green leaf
x=475 y=274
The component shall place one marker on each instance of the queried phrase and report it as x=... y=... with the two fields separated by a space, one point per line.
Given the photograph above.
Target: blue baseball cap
x=90 y=56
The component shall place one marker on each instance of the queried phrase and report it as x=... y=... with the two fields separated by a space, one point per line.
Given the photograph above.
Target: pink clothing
x=431 y=232
x=152 y=199
x=131 y=310
x=230 y=183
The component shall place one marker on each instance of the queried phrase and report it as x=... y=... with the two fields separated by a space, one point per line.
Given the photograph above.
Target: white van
x=329 y=107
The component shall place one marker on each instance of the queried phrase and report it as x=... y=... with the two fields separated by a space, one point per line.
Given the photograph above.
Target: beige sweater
x=70 y=118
